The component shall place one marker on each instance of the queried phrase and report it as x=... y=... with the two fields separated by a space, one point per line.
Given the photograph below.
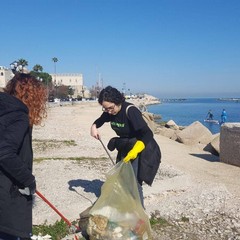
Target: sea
x=186 y=111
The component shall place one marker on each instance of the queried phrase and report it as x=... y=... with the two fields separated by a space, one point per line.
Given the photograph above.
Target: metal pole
x=106 y=151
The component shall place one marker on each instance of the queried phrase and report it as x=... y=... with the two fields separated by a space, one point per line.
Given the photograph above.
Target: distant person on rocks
x=135 y=142
x=210 y=115
x=22 y=105
x=223 y=116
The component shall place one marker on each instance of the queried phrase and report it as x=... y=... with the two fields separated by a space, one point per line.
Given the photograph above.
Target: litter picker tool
x=73 y=228
x=106 y=151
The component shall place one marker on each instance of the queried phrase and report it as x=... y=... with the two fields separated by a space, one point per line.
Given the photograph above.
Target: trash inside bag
x=118 y=213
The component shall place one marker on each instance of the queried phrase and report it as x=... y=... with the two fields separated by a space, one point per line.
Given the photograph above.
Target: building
x=5 y=75
x=73 y=80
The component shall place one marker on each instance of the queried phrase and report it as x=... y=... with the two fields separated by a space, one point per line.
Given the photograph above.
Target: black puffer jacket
x=15 y=167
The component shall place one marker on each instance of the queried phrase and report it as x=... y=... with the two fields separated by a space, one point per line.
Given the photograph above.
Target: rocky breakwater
x=211 y=210
x=144 y=100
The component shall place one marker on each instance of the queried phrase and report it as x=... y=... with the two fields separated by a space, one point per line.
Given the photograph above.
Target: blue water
x=185 y=112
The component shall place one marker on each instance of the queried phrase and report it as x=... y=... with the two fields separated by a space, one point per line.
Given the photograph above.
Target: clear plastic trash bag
x=118 y=213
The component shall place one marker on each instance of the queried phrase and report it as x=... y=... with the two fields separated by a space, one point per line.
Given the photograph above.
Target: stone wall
x=230 y=143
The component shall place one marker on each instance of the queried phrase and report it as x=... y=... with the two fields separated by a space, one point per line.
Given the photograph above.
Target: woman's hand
x=94 y=132
x=133 y=153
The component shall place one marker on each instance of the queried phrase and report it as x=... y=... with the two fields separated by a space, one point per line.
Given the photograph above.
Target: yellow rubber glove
x=132 y=154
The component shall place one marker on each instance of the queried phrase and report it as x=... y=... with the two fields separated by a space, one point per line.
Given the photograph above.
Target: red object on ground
x=55 y=209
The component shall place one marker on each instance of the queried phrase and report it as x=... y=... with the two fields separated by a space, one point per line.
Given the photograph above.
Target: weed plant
x=60 y=229
x=57 y=231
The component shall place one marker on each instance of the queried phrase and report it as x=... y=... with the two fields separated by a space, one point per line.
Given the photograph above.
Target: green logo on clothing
x=119 y=125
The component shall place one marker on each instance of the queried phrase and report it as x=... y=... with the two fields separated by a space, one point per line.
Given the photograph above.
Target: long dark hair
x=111 y=94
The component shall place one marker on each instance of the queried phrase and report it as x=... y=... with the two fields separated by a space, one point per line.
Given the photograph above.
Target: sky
x=166 y=48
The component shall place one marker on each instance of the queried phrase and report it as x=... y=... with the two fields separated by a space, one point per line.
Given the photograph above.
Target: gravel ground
x=70 y=169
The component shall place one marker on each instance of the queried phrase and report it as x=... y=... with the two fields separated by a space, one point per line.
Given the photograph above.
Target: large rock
x=230 y=143
x=195 y=133
x=168 y=132
x=171 y=124
x=149 y=119
x=215 y=143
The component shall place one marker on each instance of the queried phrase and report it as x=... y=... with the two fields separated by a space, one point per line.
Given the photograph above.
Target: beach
x=70 y=168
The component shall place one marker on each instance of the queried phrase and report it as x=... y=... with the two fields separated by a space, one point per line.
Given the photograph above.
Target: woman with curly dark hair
x=135 y=143
x=22 y=105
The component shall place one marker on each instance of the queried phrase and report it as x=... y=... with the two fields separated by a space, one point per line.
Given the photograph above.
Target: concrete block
x=230 y=143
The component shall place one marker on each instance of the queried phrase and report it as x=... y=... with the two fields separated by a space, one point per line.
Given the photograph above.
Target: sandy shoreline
x=190 y=182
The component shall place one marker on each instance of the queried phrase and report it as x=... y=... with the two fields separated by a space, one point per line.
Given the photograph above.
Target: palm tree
x=38 y=68
x=55 y=60
x=19 y=66
x=22 y=62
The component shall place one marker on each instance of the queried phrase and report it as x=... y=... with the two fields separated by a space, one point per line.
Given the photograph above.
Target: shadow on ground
x=92 y=186
x=207 y=157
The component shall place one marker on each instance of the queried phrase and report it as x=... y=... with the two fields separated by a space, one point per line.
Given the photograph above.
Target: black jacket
x=130 y=127
x=16 y=159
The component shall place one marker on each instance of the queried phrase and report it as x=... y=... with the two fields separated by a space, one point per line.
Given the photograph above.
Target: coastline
x=146 y=100
x=70 y=168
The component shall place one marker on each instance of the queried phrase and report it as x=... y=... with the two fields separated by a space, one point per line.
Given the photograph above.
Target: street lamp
x=39 y=79
x=56 y=87
x=55 y=60
x=16 y=67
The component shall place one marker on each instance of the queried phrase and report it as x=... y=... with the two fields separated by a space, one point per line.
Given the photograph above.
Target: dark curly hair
x=111 y=94
x=32 y=93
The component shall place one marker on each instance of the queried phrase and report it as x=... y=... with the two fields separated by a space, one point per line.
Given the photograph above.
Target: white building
x=5 y=75
x=74 y=80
